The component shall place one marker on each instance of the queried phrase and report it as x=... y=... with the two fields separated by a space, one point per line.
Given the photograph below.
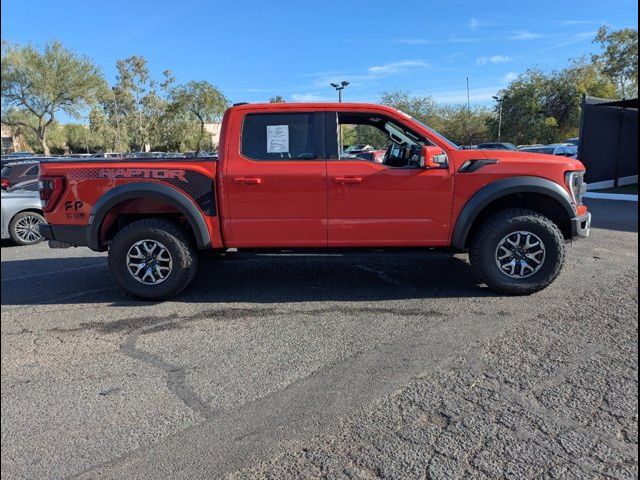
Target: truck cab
x=282 y=181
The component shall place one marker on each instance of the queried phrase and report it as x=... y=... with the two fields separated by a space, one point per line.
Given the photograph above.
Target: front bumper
x=581 y=226
x=63 y=236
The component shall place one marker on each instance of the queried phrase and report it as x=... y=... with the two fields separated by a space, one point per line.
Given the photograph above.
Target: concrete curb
x=611 y=196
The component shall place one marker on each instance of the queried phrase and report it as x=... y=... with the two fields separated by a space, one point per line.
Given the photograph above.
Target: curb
x=611 y=196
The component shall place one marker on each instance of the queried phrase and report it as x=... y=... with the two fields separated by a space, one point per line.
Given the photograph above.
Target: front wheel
x=517 y=252
x=153 y=259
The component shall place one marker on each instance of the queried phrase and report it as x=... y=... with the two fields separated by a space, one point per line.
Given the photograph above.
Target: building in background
x=12 y=142
x=213 y=129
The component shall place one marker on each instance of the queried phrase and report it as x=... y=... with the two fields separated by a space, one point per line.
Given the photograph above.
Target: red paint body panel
x=315 y=203
x=271 y=203
x=87 y=182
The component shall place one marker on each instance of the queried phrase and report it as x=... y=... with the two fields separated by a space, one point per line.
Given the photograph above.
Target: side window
x=377 y=138
x=279 y=136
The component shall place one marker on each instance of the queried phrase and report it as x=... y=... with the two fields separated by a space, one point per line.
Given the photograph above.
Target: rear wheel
x=153 y=258
x=24 y=228
x=517 y=252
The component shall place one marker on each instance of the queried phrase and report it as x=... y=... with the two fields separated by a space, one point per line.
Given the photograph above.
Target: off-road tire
x=16 y=221
x=181 y=247
x=485 y=240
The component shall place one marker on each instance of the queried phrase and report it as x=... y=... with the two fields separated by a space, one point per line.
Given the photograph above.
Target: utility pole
x=499 y=100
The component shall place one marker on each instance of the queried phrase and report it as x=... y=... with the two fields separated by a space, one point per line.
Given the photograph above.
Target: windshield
x=437 y=134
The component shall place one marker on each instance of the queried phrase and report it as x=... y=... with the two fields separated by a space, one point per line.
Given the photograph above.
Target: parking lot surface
x=385 y=365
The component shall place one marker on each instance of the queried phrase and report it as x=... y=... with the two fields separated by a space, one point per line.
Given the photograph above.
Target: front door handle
x=248 y=180
x=348 y=180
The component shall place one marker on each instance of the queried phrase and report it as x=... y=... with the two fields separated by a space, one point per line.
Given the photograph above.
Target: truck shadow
x=254 y=278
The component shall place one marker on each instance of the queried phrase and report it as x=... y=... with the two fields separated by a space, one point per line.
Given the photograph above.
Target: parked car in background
x=151 y=155
x=22 y=213
x=108 y=155
x=520 y=147
x=358 y=149
x=497 y=146
x=17 y=155
x=376 y=156
x=554 y=149
x=573 y=141
x=17 y=172
x=23 y=170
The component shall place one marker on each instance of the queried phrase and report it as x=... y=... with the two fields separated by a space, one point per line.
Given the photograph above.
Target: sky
x=254 y=50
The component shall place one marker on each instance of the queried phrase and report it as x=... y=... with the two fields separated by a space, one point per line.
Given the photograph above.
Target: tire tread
x=499 y=220
x=187 y=254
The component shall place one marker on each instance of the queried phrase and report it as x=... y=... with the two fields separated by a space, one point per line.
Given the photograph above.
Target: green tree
x=36 y=85
x=523 y=113
x=277 y=99
x=541 y=107
x=619 y=58
x=81 y=139
x=424 y=109
x=201 y=102
x=366 y=135
x=465 y=125
x=139 y=100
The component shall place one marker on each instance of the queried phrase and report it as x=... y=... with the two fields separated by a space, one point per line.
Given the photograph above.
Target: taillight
x=6 y=184
x=50 y=189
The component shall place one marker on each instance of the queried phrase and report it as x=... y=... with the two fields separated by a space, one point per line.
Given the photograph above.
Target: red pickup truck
x=279 y=183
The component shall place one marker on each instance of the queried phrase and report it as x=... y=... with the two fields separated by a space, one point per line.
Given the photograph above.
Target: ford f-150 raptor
x=281 y=182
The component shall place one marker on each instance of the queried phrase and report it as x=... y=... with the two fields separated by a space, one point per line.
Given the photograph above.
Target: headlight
x=577 y=186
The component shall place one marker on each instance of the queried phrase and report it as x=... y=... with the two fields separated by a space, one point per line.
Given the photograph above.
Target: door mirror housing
x=434 y=157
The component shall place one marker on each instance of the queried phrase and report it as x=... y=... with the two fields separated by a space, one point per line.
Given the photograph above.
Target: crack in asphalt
x=175 y=375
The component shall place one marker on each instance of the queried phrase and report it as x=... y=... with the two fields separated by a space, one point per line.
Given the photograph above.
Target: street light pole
x=339 y=87
x=499 y=100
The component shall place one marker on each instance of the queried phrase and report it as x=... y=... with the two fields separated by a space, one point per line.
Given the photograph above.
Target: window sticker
x=277 y=138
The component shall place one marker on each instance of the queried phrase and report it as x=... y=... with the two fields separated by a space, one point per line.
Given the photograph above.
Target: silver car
x=22 y=213
x=563 y=149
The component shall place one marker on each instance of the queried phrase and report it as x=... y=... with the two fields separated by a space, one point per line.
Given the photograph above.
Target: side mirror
x=434 y=157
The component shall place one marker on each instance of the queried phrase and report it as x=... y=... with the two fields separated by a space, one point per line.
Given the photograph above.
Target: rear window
x=32 y=172
x=279 y=136
x=5 y=171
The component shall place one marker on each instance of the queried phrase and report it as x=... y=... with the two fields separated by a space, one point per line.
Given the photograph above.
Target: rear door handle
x=248 y=180
x=348 y=180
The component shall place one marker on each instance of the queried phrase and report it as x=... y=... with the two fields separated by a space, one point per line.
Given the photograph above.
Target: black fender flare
x=131 y=191
x=501 y=188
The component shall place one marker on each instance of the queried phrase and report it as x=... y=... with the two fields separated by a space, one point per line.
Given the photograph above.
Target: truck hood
x=525 y=160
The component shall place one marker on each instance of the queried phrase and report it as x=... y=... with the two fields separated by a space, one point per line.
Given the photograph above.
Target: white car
x=22 y=213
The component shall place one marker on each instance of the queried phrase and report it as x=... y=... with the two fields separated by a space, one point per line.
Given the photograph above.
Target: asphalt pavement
x=362 y=365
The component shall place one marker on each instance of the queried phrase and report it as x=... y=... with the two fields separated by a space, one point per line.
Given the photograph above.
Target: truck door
x=276 y=181
x=389 y=204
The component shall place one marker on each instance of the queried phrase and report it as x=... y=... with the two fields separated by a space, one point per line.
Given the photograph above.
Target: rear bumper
x=581 y=226
x=61 y=236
